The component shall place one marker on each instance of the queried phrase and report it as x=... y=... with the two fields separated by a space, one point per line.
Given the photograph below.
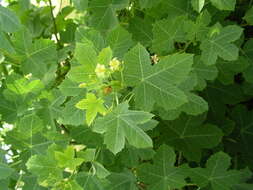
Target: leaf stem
x=54 y=23
x=179 y=158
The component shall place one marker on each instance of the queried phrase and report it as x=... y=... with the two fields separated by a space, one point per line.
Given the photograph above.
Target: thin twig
x=54 y=23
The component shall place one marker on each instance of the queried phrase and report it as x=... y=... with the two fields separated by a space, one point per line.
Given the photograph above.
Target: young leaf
x=122 y=124
x=162 y=175
x=93 y=106
x=67 y=159
x=159 y=83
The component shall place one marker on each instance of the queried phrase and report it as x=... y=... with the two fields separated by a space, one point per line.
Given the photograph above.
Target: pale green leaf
x=67 y=159
x=93 y=106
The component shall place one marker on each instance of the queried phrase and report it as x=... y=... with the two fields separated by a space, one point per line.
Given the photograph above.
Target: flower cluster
x=101 y=69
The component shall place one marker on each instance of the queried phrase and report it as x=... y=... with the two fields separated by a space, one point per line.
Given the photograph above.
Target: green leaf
x=189 y=135
x=22 y=86
x=148 y=3
x=101 y=171
x=198 y=5
x=5 y=44
x=30 y=124
x=81 y=5
x=131 y=156
x=105 y=56
x=249 y=16
x=218 y=44
x=31 y=183
x=38 y=57
x=90 y=36
x=162 y=174
x=70 y=88
x=91 y=181
x=171 y=9
x=166 y=33
x=196 y=31
x=71 y=115
x=216 y=173
x=84 y=135
x=120 y=41
x=244 y=123
x=159 y=83
x=8 y=109
x=5 y=171
x=228 y=5
x=204 y=72
x=9 y=22
x=68 y=185
x=93 y=106
x=248 y=53
x=86 y=56
x=122 y=124
x=45 y=168
x=196 y=105
x=141 y=29
x=122 y=181
x=104 y=13
x=67 y=159
x=228 y=69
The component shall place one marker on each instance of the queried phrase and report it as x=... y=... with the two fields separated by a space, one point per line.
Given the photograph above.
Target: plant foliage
x=126 y=95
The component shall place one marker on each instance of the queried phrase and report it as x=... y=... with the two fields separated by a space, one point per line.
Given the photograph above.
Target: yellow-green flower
x=82 y=85
x=100 y=70
x=114 y=64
